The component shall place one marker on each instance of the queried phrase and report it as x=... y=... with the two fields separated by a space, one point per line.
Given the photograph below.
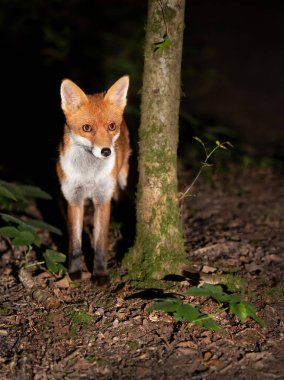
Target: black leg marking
x=75 y=270
x=100 y=267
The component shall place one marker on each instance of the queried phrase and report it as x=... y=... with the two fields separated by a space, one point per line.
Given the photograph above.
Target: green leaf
x=91 y=358
x=199 y=140
x=24 y=238
x=21 y=235
x=244 y=310
x=160 y=46
x=216 y=292
x=4 y=192
x=53 y=261
x=21 y=193
x=186 y=312
x=206 y=290
x=234 y=298
x=23 y=227
x=34 y=223
x=55 y=256
x=34 y=192
x=16 y=191
x=39 y=224
x=9 y=231
x=10 y=218
x=170 y=305
x=210 y=324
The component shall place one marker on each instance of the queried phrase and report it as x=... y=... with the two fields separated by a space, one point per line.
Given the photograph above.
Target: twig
x=163 y=13
x=205 y=162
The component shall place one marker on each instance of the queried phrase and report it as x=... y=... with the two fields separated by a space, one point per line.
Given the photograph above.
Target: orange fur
x=93 y=162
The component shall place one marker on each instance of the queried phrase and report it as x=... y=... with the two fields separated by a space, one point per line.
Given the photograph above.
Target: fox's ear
x=116 y=95
x=72 y=97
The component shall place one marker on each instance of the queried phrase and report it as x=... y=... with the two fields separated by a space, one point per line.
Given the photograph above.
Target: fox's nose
x=105 y=152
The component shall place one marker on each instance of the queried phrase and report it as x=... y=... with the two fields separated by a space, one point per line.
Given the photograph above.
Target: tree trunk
x=159 y=247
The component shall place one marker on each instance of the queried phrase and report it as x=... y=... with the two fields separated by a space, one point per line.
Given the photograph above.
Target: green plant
x=208 y=154
x=17 y=196
x=54 y=260
x=235 y=301
x=25 y=231
x=232 y=302
x=185 y=312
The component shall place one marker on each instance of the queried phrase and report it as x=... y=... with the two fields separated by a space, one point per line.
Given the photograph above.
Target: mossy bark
x=159 y=246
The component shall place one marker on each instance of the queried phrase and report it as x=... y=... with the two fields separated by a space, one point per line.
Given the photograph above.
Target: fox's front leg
x=75 y=226
x=101 y=230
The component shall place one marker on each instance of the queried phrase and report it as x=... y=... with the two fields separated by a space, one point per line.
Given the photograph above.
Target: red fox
x=92 y=163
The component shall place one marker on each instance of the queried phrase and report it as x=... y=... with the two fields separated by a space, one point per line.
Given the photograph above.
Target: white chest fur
x=87 y=176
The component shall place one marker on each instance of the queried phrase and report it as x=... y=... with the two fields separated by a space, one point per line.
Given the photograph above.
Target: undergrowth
x=24 y=232
x=234 y=303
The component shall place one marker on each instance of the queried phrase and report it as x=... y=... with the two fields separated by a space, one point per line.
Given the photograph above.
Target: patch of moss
x=77 y=318
x=133 y=345
x=277 y=291
x=4 y=310
x=152 y=259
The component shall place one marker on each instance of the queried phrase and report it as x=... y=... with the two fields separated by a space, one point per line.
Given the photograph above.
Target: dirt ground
x=233 y=227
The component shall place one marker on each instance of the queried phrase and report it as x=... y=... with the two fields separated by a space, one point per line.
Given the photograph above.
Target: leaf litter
x=234 y=240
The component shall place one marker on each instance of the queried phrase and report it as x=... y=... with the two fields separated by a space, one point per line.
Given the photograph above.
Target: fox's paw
x=101 y=280
x=75 y=276
x=100 y=274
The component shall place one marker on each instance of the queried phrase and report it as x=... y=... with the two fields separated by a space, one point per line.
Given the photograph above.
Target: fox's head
x=94 y=121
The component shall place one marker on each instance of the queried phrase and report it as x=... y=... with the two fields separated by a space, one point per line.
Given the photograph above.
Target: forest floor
x=233 y=227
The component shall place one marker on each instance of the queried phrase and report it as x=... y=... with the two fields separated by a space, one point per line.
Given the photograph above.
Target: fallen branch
x=38 y=293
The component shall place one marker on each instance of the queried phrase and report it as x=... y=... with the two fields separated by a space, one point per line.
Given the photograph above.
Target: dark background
x=232 y=76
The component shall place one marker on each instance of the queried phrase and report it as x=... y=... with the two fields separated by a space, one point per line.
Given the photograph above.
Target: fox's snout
x=105 y=152
x=102 y=153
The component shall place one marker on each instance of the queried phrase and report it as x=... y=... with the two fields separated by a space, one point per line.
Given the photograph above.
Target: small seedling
x=234 y=303
x=186 y=312
x=218 y=145
x=237 y=305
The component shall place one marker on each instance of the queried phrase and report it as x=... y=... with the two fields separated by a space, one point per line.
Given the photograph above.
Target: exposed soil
x=233 y=226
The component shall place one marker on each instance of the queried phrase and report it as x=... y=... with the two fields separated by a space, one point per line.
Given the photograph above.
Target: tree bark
x=159 y=247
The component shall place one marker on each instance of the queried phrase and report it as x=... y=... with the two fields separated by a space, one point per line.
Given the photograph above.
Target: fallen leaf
x=82 y=364
x=185 y=350
x=215 y=363
x=187 y=344
x=63 y=283
x=207 y=355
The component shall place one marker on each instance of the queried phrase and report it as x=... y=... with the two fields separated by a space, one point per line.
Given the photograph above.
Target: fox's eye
x=112 y=126
x=87 y=128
